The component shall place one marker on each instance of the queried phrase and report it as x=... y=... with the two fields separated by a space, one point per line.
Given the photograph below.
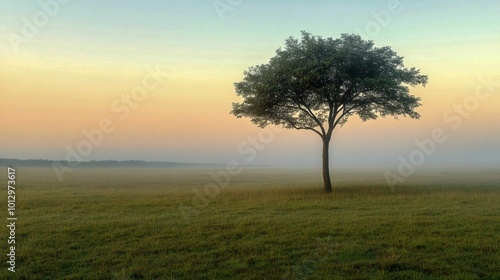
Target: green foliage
x=316 y=84
x=125 y=224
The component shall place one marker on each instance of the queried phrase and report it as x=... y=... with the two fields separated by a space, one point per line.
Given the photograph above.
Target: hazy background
x=90 y=53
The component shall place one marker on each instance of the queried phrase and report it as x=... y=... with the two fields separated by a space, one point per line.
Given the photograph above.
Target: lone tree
x=316 y=84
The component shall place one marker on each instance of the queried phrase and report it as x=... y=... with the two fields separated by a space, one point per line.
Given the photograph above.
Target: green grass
x=274 y=224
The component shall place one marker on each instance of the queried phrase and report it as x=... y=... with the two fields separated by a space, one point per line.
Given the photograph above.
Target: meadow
x=266 y=224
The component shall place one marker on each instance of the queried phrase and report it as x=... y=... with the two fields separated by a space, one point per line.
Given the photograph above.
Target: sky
x=154 y=80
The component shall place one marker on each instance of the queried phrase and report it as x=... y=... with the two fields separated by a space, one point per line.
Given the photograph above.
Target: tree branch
x=309 y=112
x=305 y=128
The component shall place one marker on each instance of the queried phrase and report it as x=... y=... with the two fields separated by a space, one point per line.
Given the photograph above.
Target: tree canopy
x=317 y=84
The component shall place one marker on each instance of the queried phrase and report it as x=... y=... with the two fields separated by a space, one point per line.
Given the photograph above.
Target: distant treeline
x=100 y=163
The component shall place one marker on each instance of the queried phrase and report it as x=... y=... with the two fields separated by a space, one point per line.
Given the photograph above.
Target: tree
x=316 y=84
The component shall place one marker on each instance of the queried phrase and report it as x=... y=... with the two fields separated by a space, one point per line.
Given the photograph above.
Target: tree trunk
x=326 y=167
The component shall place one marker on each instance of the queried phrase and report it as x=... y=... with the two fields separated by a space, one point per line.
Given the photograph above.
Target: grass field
x=266 y=224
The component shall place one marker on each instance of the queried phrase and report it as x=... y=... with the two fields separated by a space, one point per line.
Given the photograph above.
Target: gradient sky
x=65 y=67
